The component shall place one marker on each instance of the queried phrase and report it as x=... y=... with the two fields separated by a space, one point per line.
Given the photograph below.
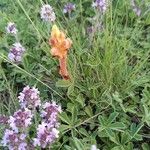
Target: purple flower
x=69 y=7
x=16 y=53
x=20 y=120
x=50 y=114
x=29 y=98
x=14 y=141
x=45 y=135
x=136 y=9
x=47 y=131
x=47 y=13
x=11 y=28
x=15 y=138
x=100 y=4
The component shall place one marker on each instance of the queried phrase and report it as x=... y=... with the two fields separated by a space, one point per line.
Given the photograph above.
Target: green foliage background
x=107 y=101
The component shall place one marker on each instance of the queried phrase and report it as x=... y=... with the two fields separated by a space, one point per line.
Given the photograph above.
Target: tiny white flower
x=11 y=56
x=55 y=132
x=11 y=28
x=93 y=147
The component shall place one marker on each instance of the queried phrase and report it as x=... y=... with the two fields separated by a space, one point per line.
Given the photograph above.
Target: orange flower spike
x=60 y=46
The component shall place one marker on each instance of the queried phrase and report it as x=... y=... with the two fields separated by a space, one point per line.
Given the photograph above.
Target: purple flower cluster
x=47 y=131
x=15 y=138
x=11 y=28
x=14 y=141
x=69 y=7
x=47 y=13
x=20 y=120
x=45 y=135
x=100 y=4
x=29 y=98
x=136 y=9
x=50 y=114
x=16 y=53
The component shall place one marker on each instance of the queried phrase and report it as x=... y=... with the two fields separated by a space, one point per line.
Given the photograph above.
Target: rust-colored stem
x=63 y=68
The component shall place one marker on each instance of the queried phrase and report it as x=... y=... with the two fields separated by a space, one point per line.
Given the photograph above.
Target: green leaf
x=63 y=83
x=145 y=146
x=70 y=90
x=113 y=137
x=83 y=132
x=125 y=138
x=63 y=116
x=116 y=97
x=129 y=146
x=80 y=100
x=146 y=96
x=78 y=144
x=146 y=116
x=134 y=129
x=112 y=117
x=74 y=114
x=67 y=147
x=117 y=148
x=102 y=121
x=88 y=110
x=117 y=126
x=63 y=127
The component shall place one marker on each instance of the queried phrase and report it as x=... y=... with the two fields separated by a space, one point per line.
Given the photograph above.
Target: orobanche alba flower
x=59 y=49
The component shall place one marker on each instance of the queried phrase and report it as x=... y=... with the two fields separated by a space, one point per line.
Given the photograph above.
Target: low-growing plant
x=101 y=78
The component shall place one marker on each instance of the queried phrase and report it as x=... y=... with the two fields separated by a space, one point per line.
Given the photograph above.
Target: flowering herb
x=11 y=28
x=20 y=120
x=47 y=131
x=50 y=114
x=60 y=46
x=29 y=98
x=16 y=53
x=45 y=135
x=47 y=13
x=15 y=137
x=100 y=4
x=69 y=7
x=14 y=141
